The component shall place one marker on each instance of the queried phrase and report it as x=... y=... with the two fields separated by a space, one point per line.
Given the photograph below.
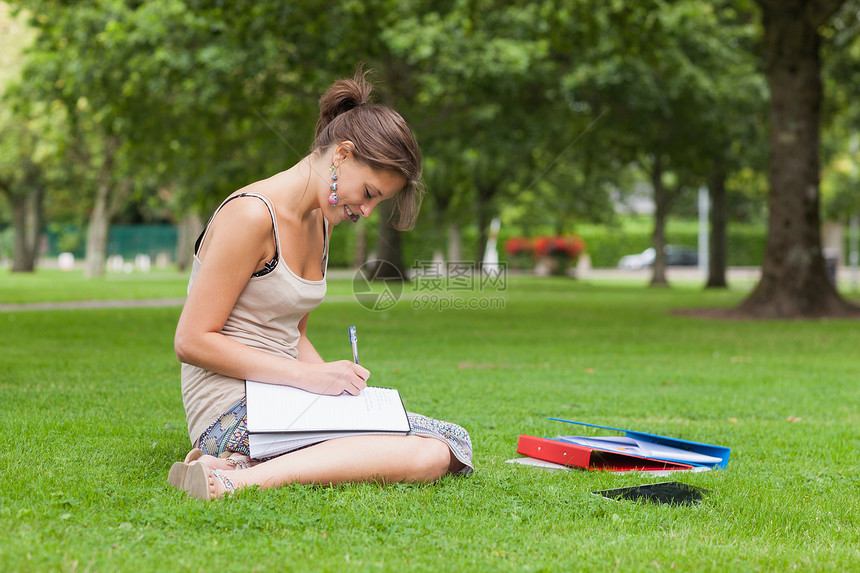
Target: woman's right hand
x=334 y=378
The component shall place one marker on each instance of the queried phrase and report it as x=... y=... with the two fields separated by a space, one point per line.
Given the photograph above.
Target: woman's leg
x=358 y=458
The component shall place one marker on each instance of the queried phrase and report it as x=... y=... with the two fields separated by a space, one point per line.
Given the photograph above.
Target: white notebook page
x=273 y=408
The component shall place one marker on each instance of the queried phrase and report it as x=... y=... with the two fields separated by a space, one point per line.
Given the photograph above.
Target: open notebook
x=283 y=418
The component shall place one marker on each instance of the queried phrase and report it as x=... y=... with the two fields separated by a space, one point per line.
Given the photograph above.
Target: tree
x=735 y=141
x=22 y=175
x=841 y=116
x=718 y=221
x=22 y=181
x=157 y=95
x=61 y=69
x=663 y=75
x=167 y=95
x=480 y=105
x=794 y=282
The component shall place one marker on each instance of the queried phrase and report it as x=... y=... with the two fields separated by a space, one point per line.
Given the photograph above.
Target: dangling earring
x=333 y=198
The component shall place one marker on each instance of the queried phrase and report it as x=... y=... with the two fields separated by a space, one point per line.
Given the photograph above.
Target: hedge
x=606 y=246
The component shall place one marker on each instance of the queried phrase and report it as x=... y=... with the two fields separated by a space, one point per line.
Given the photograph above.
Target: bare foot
x=204 y=483
x=214 y=463
x=178 y=471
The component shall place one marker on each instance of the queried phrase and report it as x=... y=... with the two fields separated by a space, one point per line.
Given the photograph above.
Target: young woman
x=259 y=269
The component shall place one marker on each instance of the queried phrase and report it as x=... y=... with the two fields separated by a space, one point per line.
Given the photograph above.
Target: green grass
x=92 y=417
x=59 y=286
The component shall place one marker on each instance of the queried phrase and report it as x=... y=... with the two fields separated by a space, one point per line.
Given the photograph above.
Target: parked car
x=676 y=255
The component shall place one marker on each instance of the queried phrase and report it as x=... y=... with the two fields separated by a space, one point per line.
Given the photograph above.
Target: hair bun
x=344 y=95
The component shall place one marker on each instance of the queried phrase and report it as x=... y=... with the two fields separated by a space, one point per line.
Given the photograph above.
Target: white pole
x=704 y=235
x=491 y=252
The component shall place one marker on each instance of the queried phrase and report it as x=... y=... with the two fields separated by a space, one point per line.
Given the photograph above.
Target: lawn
x=93 y=417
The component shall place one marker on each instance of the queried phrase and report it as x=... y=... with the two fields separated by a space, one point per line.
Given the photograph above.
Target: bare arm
x=307 y=352
x=239 y=240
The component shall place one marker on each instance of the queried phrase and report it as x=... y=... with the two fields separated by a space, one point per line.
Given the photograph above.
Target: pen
x=353 y=341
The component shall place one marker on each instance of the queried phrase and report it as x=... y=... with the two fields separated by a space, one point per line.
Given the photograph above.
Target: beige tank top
x=266 y=317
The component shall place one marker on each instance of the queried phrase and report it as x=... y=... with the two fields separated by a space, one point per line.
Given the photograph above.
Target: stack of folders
x=282 y=418
x=634 y=451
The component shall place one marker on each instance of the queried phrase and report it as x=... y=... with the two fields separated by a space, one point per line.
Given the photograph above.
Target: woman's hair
x=382 y=139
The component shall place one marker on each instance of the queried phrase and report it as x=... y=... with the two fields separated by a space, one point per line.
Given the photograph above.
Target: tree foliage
x=840 y=186
x=534 y=110
x=667 y=78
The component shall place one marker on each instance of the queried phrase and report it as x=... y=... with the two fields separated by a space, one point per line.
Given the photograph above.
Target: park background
x=555 y=118
x=125 y=123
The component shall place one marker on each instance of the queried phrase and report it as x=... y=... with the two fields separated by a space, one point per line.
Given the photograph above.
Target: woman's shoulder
x=246 y=208
x=242 y=218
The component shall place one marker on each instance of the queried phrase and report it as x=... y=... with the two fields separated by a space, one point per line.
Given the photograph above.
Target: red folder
x=578 y=456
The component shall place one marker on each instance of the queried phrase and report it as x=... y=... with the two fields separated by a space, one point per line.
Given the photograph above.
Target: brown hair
x=381 y=136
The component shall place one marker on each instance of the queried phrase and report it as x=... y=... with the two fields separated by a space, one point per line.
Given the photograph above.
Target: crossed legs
x=359 y=458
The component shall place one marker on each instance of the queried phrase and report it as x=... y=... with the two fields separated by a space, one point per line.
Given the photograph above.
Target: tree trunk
x=718 y=244
x=27 y=219
x=190 y=228
x=794 y=281
x=109 y=196
x=97 y=233
x=455 y=242
x=388 y=247
x=658 y=238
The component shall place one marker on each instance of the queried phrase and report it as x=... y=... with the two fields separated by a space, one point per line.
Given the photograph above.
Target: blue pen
x=353 y=341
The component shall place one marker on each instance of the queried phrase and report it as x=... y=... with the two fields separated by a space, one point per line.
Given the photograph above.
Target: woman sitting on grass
x=259 y=269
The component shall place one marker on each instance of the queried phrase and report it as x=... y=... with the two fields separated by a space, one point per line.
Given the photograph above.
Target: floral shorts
x=229 y=433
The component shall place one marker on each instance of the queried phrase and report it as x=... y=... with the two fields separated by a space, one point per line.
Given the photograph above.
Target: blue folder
x=653 y=446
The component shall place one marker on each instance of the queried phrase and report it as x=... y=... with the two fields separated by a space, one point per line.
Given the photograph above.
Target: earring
x=333 y=198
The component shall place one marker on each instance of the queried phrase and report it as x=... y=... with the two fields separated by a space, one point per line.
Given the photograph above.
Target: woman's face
x=360 y=189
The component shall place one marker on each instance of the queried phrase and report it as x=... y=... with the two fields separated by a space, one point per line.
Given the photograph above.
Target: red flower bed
x=539 y=247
